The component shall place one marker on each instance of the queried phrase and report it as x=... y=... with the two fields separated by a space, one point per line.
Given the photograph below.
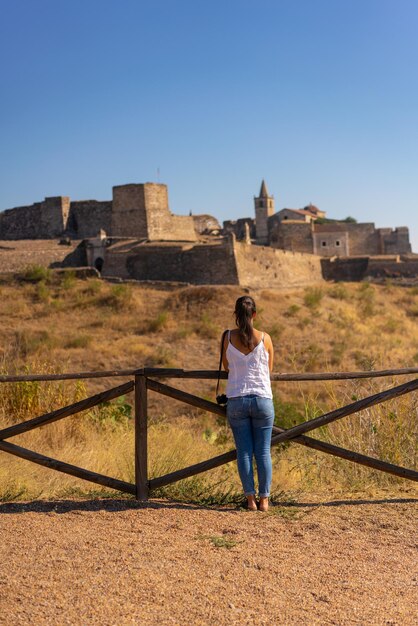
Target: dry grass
x=85 y=325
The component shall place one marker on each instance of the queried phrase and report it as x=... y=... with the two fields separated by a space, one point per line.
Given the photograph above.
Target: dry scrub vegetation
x=51 y=323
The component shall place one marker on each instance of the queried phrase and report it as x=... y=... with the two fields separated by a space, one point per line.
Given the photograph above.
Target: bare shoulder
x=267 y=340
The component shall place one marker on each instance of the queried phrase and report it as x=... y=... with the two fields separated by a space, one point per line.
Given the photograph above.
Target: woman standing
x=248 y=357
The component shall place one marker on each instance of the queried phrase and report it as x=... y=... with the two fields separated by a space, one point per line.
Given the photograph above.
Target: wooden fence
x=145 y=379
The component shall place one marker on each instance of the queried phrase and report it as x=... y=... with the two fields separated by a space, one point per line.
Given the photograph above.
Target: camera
x=221 y=399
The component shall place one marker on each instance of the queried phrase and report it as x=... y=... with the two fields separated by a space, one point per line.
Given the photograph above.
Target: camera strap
x=220 y=360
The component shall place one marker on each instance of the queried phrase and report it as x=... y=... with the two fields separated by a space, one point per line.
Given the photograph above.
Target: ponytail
x=244 y=312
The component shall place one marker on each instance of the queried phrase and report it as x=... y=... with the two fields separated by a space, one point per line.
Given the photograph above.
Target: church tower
x=264 y=207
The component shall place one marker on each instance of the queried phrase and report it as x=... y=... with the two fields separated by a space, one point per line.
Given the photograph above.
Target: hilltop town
x=136 y=236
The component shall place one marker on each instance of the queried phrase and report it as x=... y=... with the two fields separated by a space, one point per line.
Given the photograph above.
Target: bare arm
x=224 y=359
x=269 y=347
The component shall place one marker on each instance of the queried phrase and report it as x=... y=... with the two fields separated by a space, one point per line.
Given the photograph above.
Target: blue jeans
x=251 y=419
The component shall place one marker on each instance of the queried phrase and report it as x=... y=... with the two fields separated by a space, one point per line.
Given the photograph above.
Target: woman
x=248 y=357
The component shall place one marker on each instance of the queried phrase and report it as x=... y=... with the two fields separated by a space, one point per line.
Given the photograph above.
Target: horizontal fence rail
x=144 y=381
x=204 y=374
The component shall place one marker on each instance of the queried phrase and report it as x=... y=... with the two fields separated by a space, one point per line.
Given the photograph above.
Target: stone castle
x=135 y=211
x=308 y=230
x=135 y=236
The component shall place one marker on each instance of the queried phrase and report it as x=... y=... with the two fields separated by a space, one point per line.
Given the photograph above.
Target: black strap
x=220 y=360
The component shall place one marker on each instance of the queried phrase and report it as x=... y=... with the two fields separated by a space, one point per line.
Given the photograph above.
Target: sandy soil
x=121 y=562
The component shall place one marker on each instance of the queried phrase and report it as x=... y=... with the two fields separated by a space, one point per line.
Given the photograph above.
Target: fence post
x=141 y=438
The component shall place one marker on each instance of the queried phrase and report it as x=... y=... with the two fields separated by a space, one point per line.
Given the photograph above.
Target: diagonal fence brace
x=66 y=411
x=295 y=433
x=67 y=468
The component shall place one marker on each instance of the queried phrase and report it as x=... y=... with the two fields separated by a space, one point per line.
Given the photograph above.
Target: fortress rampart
x=337 y=238
x=135 y=236
x=42 y=220
x=224 y=263
x=137 y=210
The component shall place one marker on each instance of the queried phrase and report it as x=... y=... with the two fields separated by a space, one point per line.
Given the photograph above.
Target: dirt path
x=118 y=562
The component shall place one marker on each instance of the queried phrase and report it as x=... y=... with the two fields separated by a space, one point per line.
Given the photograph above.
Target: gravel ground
x=121 y=562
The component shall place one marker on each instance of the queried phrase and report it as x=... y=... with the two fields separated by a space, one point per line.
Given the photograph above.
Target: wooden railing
x=145 y=379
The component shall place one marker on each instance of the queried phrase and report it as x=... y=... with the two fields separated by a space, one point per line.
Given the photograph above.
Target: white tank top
x=248 y=373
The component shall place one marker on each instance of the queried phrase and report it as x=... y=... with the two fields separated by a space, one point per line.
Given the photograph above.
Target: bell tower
x=264 y=208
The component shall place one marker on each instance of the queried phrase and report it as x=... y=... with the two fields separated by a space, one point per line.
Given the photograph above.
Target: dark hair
x=244 y=311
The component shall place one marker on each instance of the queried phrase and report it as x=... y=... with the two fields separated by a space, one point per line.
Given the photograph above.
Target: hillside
x=57 y=324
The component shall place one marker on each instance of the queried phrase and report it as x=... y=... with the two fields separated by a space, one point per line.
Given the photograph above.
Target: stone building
x=136 y=210
x=308 y=231
x=135 y=236
x=264 y=208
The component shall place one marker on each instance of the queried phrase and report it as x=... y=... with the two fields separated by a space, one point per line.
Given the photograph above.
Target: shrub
x=23 y=400
x=364 y=361
x=339 y=292
x=207 y=327
x=412 y=311
x=366 y=299
x=117 y=412
x=158 y=323
x=313 y=297
x=29 y=342
x=68 y=280
x=43 y=293
x=93 y=287
x=35 y=273
x=119 y=298
x=293 y=310
x=391 y=326
x=287 y=414
x=276 y=331
x=80 y=341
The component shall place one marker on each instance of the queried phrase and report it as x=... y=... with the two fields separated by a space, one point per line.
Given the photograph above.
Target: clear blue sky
x=319 y=97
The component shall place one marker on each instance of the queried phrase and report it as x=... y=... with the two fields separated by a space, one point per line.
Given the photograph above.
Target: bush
x=366 y=299
x=69 y=279
x=412 y=311
x=93 y=287
x=207 y=328
x=29 y=342
x=119 y=298
x=43 y=293
x=117 y=412
x=80 y=341
x=293 y=310
x=158 y=323
x=276 y=331
x=313 y=297
x=35 y=273
x=339 y=292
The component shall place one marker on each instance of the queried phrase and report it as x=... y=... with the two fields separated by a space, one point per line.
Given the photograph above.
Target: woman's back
x=249 y=371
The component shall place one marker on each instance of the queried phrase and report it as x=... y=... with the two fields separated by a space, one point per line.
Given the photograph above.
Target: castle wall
x=263 y=267
x=363 y=238
x=351 y=269
x=392 y=268
x=142 y=211
x=237 y=227
x=88 y=217
x=129 y=218
x=199 y=264
x=293 y=236
x=331 y=244
x=16 y=255
x=42 y=220
x=394 y=241
x=358 y=268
